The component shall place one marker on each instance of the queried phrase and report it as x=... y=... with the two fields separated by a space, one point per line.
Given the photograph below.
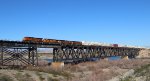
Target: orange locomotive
x=54 y=41
x=32 y=39
x=50 y=41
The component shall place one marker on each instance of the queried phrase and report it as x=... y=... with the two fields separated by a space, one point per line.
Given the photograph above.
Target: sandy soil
x=102 y=70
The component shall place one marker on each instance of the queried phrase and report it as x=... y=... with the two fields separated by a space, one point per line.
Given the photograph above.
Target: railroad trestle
x=87 y=52
x=23 y=53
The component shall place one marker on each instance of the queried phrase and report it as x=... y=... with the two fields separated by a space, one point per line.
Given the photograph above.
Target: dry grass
x=88 y=71
x=48 y=69
x=5 y=78
x=23 y=77
x=103 y=70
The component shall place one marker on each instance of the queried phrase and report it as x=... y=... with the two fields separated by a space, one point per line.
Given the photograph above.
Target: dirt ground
x=89 y=71
x=102 y=70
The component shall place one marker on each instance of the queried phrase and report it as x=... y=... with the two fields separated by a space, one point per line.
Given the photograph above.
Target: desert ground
x=103 y=70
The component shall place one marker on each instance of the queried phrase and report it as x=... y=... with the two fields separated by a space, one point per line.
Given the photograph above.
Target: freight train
x=53 y=41
x=65 y=42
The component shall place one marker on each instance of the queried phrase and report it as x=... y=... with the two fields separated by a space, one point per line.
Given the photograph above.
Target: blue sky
x=112 y=21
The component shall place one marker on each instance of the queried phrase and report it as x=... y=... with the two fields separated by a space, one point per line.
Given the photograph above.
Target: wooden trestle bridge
x=26 y=53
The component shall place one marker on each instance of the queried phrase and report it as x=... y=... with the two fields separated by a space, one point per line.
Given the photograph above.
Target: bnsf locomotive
x=54 y=41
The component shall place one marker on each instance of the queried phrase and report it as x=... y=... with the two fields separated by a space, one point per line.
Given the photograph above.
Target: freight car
x=66 y=42
x=115 y=45
x=77 y=43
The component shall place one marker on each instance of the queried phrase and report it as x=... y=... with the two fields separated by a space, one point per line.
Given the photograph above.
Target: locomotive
x=53 y=41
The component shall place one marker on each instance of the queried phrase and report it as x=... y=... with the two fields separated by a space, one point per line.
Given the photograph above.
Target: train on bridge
x=54 y=41
x=25 y=52
x=64 y=42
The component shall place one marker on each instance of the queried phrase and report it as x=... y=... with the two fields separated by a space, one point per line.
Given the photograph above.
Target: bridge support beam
x=17 y=56
x=88 y=53
x=125 y=57
x=57 y=65
x=106 y=58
